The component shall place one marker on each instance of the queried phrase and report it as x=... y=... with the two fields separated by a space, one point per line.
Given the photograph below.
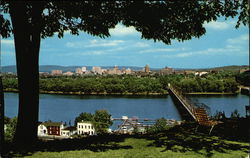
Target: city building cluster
x=97 y=70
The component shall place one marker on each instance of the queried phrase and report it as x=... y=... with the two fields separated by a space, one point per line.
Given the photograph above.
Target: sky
x=222 y=45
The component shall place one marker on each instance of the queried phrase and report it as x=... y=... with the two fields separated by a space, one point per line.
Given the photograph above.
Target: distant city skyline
x=222 y=45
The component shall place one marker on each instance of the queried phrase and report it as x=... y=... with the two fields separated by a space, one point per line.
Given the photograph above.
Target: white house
x=68 y=131
x=85 y=128
x=42 y=130
x=200 y=73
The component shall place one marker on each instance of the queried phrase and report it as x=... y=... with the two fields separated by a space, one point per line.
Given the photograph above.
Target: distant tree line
x=224 y=82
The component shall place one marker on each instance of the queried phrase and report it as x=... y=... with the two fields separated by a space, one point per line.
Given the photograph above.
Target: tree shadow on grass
x=93 y=143
x=184 y=138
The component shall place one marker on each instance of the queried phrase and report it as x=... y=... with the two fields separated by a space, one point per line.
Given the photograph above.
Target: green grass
x=140 y=148
x=178 y=142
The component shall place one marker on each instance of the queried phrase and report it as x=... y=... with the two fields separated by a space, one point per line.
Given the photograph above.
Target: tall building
x=68 y=73
x=146 y=68
x=114 y=71
x=128 y=71
x=56 y=72
x=167 y=71
x=79 y=71
x=84 y=69
x=97 y=69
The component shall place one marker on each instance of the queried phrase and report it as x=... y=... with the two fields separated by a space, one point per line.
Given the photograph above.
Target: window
x=85 y=127
x=92 y=127
x=79 y=126
x=89 y=127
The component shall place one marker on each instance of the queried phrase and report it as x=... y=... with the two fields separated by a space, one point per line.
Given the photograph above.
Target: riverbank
x=211 y=93
x=95 y=93
x=125 y=94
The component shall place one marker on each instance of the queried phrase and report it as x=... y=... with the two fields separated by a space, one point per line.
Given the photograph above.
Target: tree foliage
x=101 y=120
x=84 y=117
x=159 y=126
x=244 y=78
x=133 y=84
x=158 y=20
x=10 y=128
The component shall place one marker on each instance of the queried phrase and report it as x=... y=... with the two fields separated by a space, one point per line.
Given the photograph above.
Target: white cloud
x=209 y=51
x=217 y=25
x=104 y=43
x=86 y=53
x=161 y=50
x=116 y=49
x=94 y=43
x=9 y=42
x=121 y=30
x=141 y=44
x=233 y=46
x=243 y=39
x=95 y=52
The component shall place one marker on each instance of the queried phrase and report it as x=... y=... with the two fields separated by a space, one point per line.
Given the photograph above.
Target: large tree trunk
x=27 y=30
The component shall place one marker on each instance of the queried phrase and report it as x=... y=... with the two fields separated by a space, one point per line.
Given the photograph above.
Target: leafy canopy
x=158 y=20
x=101 y=120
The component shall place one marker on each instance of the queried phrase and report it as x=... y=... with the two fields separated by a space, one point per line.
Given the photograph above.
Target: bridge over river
x=187 y=109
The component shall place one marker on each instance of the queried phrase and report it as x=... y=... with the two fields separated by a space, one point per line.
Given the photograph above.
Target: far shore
x=125 y=94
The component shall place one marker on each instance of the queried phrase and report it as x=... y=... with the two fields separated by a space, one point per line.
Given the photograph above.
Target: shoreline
x=124 y=94
x=212 y=93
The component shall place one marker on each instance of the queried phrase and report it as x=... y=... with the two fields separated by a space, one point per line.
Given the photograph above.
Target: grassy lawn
x=140 y=148
x=178 y=142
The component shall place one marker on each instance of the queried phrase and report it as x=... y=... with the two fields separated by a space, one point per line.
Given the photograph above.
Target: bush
x=10 y=129
x=160 y=125
x=235 y=114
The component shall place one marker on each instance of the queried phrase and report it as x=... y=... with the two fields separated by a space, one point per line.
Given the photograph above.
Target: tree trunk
x=26 y=22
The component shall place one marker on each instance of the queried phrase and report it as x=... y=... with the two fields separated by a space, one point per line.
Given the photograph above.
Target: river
x=66 y=107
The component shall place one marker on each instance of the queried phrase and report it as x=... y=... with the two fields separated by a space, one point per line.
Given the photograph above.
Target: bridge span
x=185 y=106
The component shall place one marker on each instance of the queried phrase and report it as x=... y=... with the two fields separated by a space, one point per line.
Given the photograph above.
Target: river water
x=66 y=107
